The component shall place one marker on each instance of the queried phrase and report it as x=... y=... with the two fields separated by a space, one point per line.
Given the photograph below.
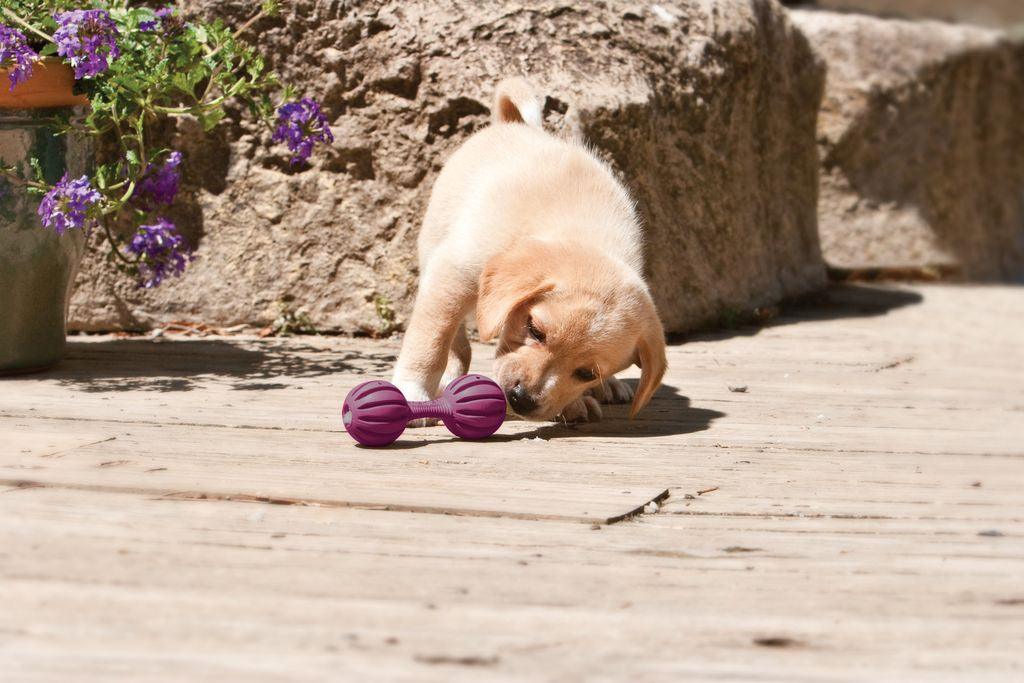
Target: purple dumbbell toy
x=471 y=407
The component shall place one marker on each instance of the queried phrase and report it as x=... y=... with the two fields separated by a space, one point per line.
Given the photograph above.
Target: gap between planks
x=18 y=484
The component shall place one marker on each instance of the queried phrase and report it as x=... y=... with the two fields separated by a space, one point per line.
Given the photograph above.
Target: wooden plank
x=249 y=383
x=322 y=469
x=248 y=417
x=220 y=419
x=38 y=442
x=125 y=587
x=855 y=514
x=527 y=478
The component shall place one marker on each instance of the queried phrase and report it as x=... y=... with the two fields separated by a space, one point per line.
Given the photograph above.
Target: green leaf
x=255 y=67
x=210 y=119
x=37 y=168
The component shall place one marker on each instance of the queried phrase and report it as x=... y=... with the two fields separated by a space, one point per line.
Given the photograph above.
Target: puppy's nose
x=521 y=402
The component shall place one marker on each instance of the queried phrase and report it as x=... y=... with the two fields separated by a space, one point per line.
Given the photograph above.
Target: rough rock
x=706 y=109
x=985 y=12
x=922 y=145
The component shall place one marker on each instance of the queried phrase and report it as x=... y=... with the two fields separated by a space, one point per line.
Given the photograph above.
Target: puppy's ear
x=508 y=281
x=650 y=356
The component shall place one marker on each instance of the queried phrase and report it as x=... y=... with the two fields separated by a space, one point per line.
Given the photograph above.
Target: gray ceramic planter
x=37 y=267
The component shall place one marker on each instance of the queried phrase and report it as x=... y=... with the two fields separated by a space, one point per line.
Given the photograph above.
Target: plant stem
x=244 y=27
x=113 y=245
x=14 y=17
x=127 y=194
x=241 y=29
x=213 y=77
x=178 y=111
x=22 y=181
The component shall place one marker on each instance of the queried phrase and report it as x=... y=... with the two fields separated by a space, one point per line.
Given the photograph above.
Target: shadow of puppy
x=668 y=413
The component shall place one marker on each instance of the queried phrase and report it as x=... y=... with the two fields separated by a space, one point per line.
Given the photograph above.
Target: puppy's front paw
x=583 y=409
x=613 y=390
x=414 y=391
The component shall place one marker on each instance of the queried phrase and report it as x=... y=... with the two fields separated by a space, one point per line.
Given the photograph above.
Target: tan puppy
x=538 y=236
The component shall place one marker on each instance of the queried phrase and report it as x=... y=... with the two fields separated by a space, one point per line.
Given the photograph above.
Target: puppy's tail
x=515 y=101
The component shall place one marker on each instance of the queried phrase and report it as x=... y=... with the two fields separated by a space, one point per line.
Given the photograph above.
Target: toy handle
x=438 y=408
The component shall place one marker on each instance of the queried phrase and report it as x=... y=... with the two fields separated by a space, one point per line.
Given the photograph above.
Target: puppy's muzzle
x=520 y=401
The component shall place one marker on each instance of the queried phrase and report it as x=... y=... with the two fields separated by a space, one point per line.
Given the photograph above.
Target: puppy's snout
x=521 y=401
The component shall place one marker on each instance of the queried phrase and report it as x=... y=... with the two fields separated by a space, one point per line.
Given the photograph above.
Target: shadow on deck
x=120 y=365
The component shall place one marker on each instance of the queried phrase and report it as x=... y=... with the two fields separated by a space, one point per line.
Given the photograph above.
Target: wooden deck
x=191 y=510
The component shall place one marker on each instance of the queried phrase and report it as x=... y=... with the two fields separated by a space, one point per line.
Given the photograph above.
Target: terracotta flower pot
x=37 y=267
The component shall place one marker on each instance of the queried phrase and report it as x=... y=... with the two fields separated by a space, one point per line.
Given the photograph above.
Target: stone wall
x=707 y=109
x=922 y=146
x=996 y=13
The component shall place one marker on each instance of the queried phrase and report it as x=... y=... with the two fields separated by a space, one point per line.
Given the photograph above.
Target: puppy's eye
x=534 y=332
x=584 y=375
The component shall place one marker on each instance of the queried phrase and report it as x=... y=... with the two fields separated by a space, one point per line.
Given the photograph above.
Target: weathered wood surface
x=866 y=519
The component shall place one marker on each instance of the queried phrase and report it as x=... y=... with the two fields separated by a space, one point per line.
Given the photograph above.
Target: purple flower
x=301 y=124
x=161 y=250
x=67 y=205
x=169 y=22
x=159 y=185
x=88 y=39
x=15 y=55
